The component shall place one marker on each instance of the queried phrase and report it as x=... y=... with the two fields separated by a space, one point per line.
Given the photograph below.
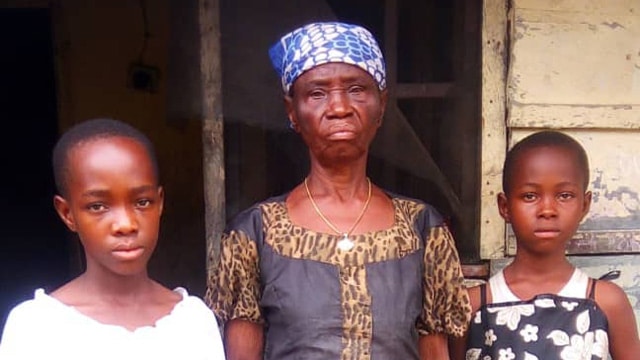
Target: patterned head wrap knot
x=320 y=43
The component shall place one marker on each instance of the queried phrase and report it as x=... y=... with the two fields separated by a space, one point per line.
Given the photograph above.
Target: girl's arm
x=624 y=343
x=433 y=347
x=458 y=346
x=243 y=340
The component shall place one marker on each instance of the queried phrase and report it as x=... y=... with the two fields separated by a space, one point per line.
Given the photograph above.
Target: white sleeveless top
x=576 y=287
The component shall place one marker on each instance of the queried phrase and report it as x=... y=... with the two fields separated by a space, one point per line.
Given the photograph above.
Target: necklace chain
x=326 y=221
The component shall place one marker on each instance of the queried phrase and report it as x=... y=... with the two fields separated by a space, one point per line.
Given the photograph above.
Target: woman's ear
x=503 y=207
x=384 y=96
x=288 y=105
x=64 y=211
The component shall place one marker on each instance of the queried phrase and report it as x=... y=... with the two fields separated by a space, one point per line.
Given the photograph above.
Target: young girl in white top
x=107 y=177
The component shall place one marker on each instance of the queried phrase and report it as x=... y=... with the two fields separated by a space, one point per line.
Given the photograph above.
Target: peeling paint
x=613 y=25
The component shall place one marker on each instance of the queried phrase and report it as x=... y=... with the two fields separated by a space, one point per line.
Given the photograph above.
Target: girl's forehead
x=546 y=152
x=106 y=153
x=546 y=160
x=122 y=144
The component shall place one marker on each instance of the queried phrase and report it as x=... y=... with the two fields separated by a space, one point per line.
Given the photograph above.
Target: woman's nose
x=339 y=103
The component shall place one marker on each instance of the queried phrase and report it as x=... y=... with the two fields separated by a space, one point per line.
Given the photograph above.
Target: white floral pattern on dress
x=584 y=344
x=506 y=354
x=545 y=303
x=569 y=305
x=529 y=333
x=510 y=315
x=473 y=354
x=489 y=337
x=546 y=327
x=478 y=318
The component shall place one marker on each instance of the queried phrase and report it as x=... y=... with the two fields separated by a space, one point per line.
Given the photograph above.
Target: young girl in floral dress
x=540 y=306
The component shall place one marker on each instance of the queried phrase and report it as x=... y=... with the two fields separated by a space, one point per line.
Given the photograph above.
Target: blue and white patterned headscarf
x=324 y=42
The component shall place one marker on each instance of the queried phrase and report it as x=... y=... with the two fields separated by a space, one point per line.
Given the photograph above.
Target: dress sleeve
x=446 y=308
x=233 y=291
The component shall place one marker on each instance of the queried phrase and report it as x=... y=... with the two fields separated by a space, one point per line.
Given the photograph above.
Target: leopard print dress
x=319 y=302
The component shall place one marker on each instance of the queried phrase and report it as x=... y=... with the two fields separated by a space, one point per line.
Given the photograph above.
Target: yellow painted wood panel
x=620 y=7
x=576 y=65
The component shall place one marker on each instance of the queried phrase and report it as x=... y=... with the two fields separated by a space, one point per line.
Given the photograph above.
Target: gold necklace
x=345 y=243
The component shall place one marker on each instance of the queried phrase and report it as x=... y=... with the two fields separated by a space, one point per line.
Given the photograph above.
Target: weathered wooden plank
x=574 y=116
x=212 y=127
x=575 y=66
x=493 y=133
x=619 y=7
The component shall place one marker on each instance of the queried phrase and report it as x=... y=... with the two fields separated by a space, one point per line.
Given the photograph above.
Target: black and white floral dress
x=566 y=326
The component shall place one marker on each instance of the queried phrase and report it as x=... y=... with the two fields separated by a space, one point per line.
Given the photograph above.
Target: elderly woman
x=337 y=268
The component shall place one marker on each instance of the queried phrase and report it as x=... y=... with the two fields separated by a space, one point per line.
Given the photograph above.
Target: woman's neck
x=343 y=184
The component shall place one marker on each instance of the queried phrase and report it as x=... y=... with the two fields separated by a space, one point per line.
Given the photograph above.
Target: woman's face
x=337 y=109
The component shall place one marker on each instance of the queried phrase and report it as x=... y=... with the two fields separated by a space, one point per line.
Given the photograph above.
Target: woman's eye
x=317 y=94
x=356 y=90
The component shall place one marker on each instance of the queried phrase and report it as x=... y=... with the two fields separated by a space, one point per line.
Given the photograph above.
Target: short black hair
x=547 y=138
x=90 y=130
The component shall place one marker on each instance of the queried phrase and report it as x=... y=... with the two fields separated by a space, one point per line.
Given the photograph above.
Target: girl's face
x=114 y=203
x=547 y=199
x=337 y=109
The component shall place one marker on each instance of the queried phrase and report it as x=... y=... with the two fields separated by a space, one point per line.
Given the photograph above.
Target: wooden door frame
x=494 y=126
x=212 y=127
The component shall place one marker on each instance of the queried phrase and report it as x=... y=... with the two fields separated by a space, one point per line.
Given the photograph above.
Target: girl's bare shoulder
x=610 y=296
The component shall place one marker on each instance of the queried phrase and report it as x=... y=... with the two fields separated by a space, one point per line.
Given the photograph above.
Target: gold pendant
x=345 y=244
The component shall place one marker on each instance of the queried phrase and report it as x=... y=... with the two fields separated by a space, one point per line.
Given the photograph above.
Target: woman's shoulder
x=422 y=210
x=252 y=215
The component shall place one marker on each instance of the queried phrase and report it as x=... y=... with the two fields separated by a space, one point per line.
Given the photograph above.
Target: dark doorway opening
x=34 y=247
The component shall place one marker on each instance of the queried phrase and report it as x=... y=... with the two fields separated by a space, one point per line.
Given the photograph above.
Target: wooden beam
x=494 y=130
x=391 y=46
x=212 y=127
